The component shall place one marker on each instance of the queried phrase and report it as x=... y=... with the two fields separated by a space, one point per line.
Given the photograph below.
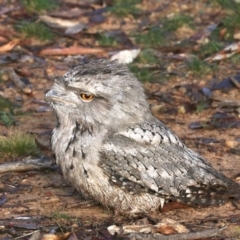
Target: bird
x=114 y=151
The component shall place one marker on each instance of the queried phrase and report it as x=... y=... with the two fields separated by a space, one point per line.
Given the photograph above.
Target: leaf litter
x=166 y=46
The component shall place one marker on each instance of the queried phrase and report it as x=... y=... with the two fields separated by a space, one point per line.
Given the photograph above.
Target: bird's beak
x=53 y=96
x=50 y=96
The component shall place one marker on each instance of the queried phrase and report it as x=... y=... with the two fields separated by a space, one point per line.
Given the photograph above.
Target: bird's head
x=98 y=93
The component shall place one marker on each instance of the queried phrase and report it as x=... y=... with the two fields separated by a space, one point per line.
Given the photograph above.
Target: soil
x=47 y=199
x=43 y=200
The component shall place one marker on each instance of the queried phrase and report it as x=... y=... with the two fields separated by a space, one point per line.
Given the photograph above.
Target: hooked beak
x=52 y=96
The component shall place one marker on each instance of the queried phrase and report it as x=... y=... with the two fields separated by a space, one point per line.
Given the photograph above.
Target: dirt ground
x=48 y=200
x=34 y=200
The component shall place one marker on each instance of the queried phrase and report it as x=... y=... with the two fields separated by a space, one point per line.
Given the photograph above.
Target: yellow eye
x=86 y=97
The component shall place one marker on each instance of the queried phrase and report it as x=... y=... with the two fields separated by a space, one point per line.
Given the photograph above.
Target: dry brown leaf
x=181 y=109
x=184 y=32
x=231 y=144
x=3 y=39
x=227 y=52
x=173 y=205
x=170 y=226
x=57 y=22
x=223 y=32
x=166 y=230
x=236 y=36
x=9 y=46
x=166 y=226
x=64 y=236
x=74 y=50
x=147 y=228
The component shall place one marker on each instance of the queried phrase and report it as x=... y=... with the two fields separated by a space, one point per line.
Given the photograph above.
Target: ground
x=43 y=200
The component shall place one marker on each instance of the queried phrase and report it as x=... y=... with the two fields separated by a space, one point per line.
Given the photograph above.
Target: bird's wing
x=150 y=158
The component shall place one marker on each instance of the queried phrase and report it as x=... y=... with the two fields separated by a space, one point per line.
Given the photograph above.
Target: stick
x=26 y=165
x=180 y=236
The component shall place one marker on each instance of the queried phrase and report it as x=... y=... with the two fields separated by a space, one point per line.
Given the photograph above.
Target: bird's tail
x=205 y=196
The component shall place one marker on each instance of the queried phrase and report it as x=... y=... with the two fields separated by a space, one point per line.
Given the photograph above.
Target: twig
x=180 y=236
x=34 y=233
x=26 y=165
x=223 y=102
x=26 y=88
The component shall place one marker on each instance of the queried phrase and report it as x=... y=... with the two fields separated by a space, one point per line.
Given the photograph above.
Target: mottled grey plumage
x=112 y=149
